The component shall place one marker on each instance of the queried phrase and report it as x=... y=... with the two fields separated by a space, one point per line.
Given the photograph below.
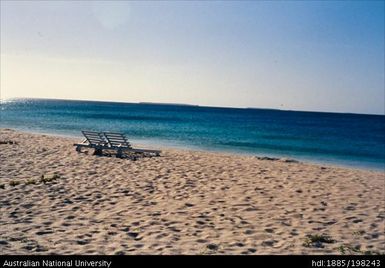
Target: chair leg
x=119 y=154
x=98 y=152
x=78 y=149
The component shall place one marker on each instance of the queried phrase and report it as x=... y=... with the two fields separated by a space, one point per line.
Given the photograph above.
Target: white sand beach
x=55 y=200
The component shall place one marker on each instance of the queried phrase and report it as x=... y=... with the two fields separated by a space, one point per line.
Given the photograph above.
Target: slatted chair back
x=94 y=138
x=117 y=140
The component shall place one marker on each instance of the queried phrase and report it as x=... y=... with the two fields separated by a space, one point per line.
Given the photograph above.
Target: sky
x=292 y=55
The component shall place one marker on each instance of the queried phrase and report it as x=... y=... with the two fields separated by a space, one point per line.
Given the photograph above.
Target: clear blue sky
x=300 y=55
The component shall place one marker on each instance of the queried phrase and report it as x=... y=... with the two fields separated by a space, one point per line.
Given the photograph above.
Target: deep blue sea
x=343 y=139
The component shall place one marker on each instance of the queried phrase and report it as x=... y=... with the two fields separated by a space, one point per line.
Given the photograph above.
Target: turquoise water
x=344 y=139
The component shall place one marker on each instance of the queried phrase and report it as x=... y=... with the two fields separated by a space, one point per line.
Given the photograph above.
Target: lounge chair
x=118 y=142
x=110 y=141
x=93 y=139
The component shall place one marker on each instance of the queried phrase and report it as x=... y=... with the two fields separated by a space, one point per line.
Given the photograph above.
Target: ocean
x=354 y=140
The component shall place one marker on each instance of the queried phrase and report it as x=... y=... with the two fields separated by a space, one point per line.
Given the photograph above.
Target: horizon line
x=191 y=105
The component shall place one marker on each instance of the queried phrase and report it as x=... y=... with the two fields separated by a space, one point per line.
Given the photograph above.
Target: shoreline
x=54 y=200
x=152 y=144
